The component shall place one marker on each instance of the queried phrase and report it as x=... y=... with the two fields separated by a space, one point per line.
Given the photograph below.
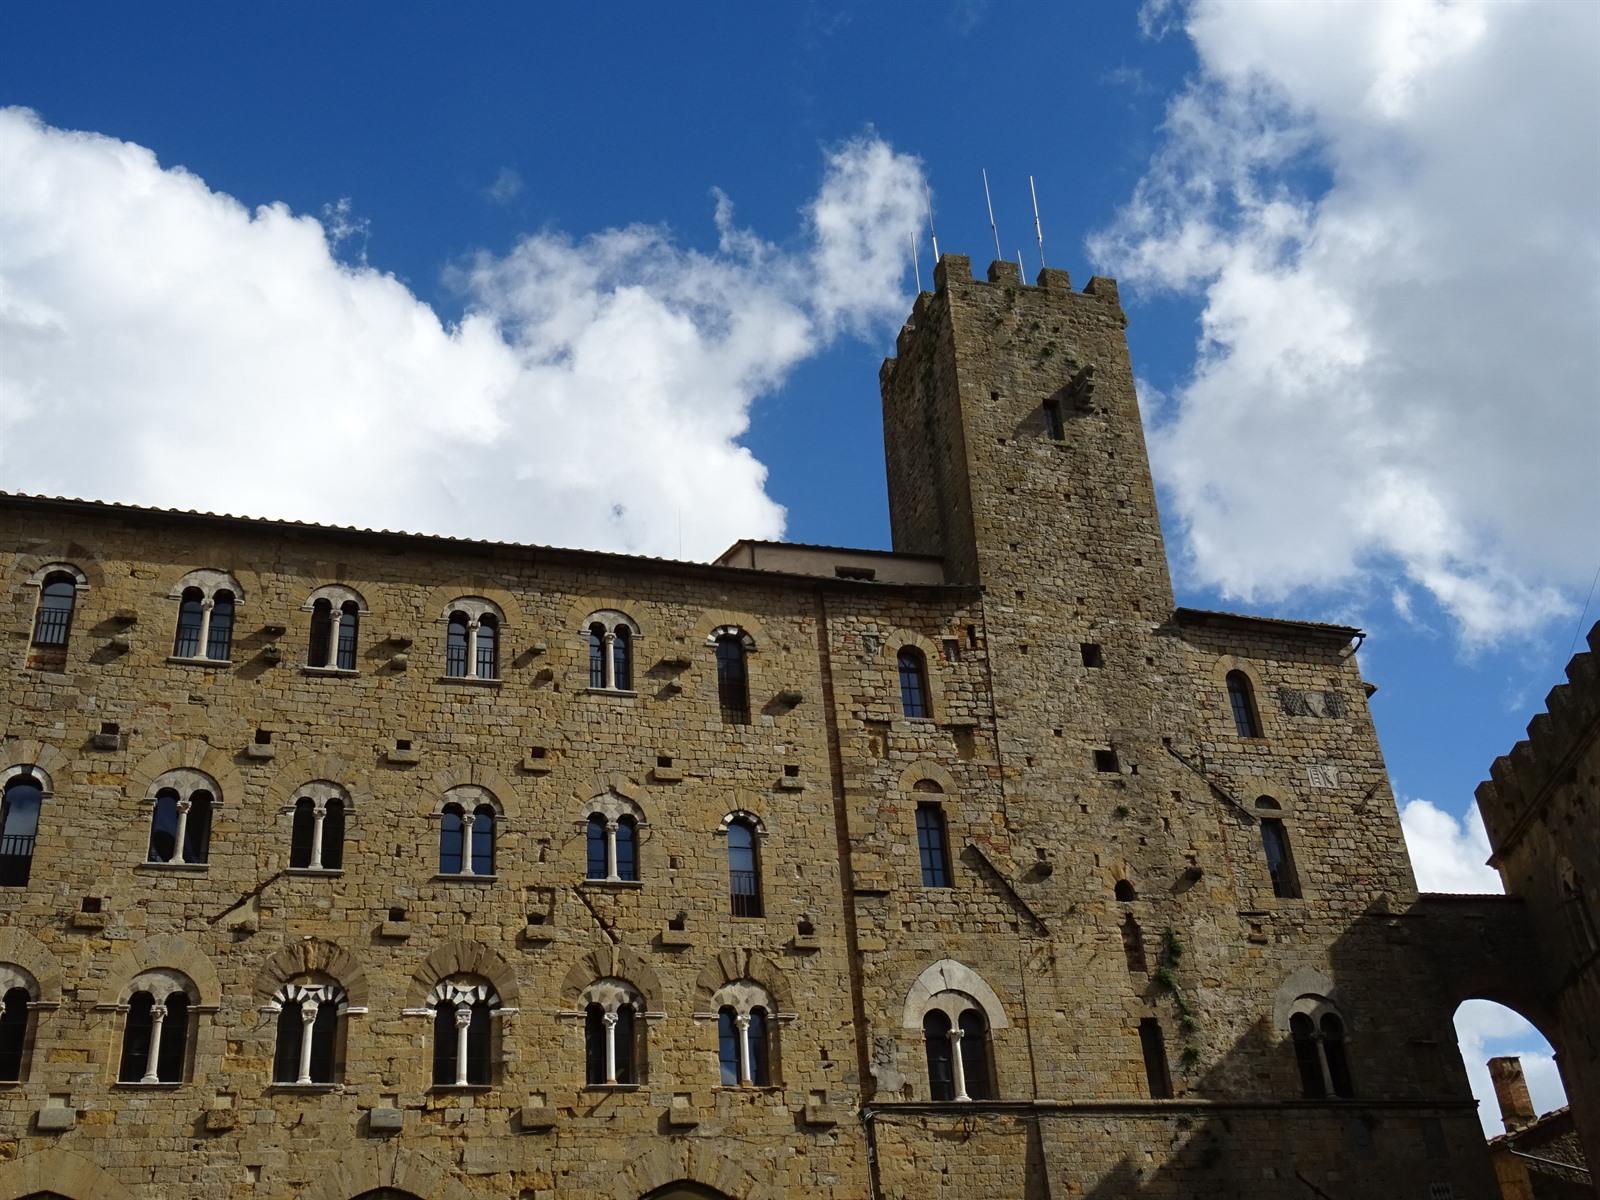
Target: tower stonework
x=975 y=869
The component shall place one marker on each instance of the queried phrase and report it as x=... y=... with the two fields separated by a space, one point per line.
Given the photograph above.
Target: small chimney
x=1511 y=1090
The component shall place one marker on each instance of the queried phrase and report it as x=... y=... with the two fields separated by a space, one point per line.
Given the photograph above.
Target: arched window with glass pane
x=611 y=639
x=349 y=632
x=612 y=1032
x=182 y=806
x=15 y=1013
x=733 y=679
x=455 y=646
x=190 y=619
x=597 y=656
x=219 y=631
x=598 y=844
x=622 y=659
x=23 y=797
x=308 y=1033
x=913 y=669
x=335 y=627
x=463 y=1040
x=486 y=650
x=208 y=601
x=941 y=1055
x=472 y=639
x=1242 y=703
x=744 y=869
x=746 y=1045
x=155 y=1039
x=1279 y=855
x=316 y=841
x=467 y=826
x=627 y=837
x=52 y=622
x=975 y=1054
x=956 y=1037
x=933 y=845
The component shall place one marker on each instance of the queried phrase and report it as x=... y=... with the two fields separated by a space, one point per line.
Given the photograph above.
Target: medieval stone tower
x=348 y=864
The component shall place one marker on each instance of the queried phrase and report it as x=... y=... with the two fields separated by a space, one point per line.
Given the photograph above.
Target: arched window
x=180 y=819
x=941 y=1055
x=455 y=646
x=745 y=1050
x=611 y=1032
x=933 y=845
x=155 y=1040
x=52 y=622
x=610 y=637
x=599 y=847
x=486 y=654
x=190 y=620
x=1124 y=891
x=19 y=828
x=1242 y=700
x=627 y=839
x=1280 y=858
x=335 y=627
x=462 y=1037
x=913 y=682
x=975 y=1054
x=219 y=634
x=349 y=629
x=467 y=833
x=316 y=841
x=321 y=634
x=597 y=656
x=744 y=869
x=13 y=1033
x=1317 y=1031
x=622 y=659
x=308 y=1033
x=733 y=679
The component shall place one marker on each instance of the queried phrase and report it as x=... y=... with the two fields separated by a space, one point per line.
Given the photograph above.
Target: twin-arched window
x=913 y=667
x=467 y=832
x=23 y=797
x=335 y=633
x=1317 y=1031
x=155 y=1039
x=463 y=1041
x=611 y=637
x=180 y=818
x=206 y=603
x=744 y=868
x=959 y=1063
x=744 y=1035
x=613 y=848
x=613 y=1030
x=316 y=839
x=308 y=1033
x=472 y=640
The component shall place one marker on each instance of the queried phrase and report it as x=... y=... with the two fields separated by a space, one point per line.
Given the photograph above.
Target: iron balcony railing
x=16 y=859
x=744 y=893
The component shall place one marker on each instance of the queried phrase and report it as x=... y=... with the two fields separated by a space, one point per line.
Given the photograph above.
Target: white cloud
x=1486 y=1030
x=1447 y=853
x=161 y=344
x=1389 y=210
x=507 y=186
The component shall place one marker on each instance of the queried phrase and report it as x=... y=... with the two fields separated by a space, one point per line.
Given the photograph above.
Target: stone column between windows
x=1322 y=1060
x=182 y=831
x=745 y=1075
x=152 y=1066
x=203 y=650
x=472 y=648
x=319 y=813
x=335 y=620
x=463 y=1023
x=611 y=852
x=308 y=1018
x=610 y=1019
x=958 y=1068
x=609 y=665
x=467 y=818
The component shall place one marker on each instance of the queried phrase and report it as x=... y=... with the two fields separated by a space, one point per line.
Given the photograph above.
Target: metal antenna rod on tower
x=916 y=266
x=1038 y=230
x=928 y=191
x=1021 y=270
x=993 y=228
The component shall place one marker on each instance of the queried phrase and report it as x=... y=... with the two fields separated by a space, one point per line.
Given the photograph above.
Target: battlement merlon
x=1520 y=781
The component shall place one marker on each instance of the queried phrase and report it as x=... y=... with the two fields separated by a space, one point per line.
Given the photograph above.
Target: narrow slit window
x=913 y=682
x=933 y=846
x=733 y=682
x=1157 y=1074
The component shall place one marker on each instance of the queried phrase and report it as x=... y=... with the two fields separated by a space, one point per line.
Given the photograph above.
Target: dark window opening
x=488 y=664
x=1280 y=859
x=733 y=680
x=1092 y=655
x=863 y=573
x=975 y=1063
x=187 y=642
x=727 y=1047
x=19 y=829
x=1158 y=1076
x=1133 y=945
x=933 y=846
x=219 y=637
x=913 y=682
x=1106 y=760
x=1124 y=891
x=1242 y=701
x=13 y=1034
x=455 y=646
x=744 y=870
x=52 y=624
x=595 y=838
x=1304 y=1035
x=627 y=849
x=760 y=1066
x=451 y=840
x=941 y=1058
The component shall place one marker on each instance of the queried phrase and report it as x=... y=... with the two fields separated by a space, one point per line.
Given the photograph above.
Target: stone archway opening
x=1487 y=1029
x=685 y=1190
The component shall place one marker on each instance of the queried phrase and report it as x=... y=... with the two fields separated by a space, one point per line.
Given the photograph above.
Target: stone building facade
x=349 y=864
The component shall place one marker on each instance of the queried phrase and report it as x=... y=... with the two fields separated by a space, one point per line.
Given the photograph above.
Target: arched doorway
x=1486 y=1029
x=684 y=1190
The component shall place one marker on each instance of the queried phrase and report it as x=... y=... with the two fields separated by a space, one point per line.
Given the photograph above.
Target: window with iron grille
x=53 y=621
x=455 y=646
x=19 y=827
x=744 y=870
x=187 y=642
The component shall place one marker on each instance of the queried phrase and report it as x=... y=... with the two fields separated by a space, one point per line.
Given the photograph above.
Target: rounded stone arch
x=927 y=769
x=464 y=773
x=48 y=760
x=163 y=951
x=62 y=1173
x=948 y=975
x=446 y=598
x=295 y=773
x=589 y=798
x=463 y=958
x=28 y=953
x=191 y=755
x=713 y=623
x=28 y=770
x=364 y=1169
x=337 y=595
x=309 y=956
x=584 y=609
x=80 y=580
x=613 y=962
x=733 y=965
x=692 y=1164
x=1303 y=982
x=931 y=658
x=1273 y=788
x=1223 y=666
x=79 y=561
x=745 y=812
x=209 y=580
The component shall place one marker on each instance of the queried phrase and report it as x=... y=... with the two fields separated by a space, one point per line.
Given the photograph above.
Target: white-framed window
x=182 y=805
x=310 y=1027
x=746 y=1040
x=613 y=1033
x=158 y=1031
x=207 y=603
x=611 y=638
x=316 y=836
x=473 y=629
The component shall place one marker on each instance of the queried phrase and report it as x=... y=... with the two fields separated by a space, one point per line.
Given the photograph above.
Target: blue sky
x=1294 y=206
